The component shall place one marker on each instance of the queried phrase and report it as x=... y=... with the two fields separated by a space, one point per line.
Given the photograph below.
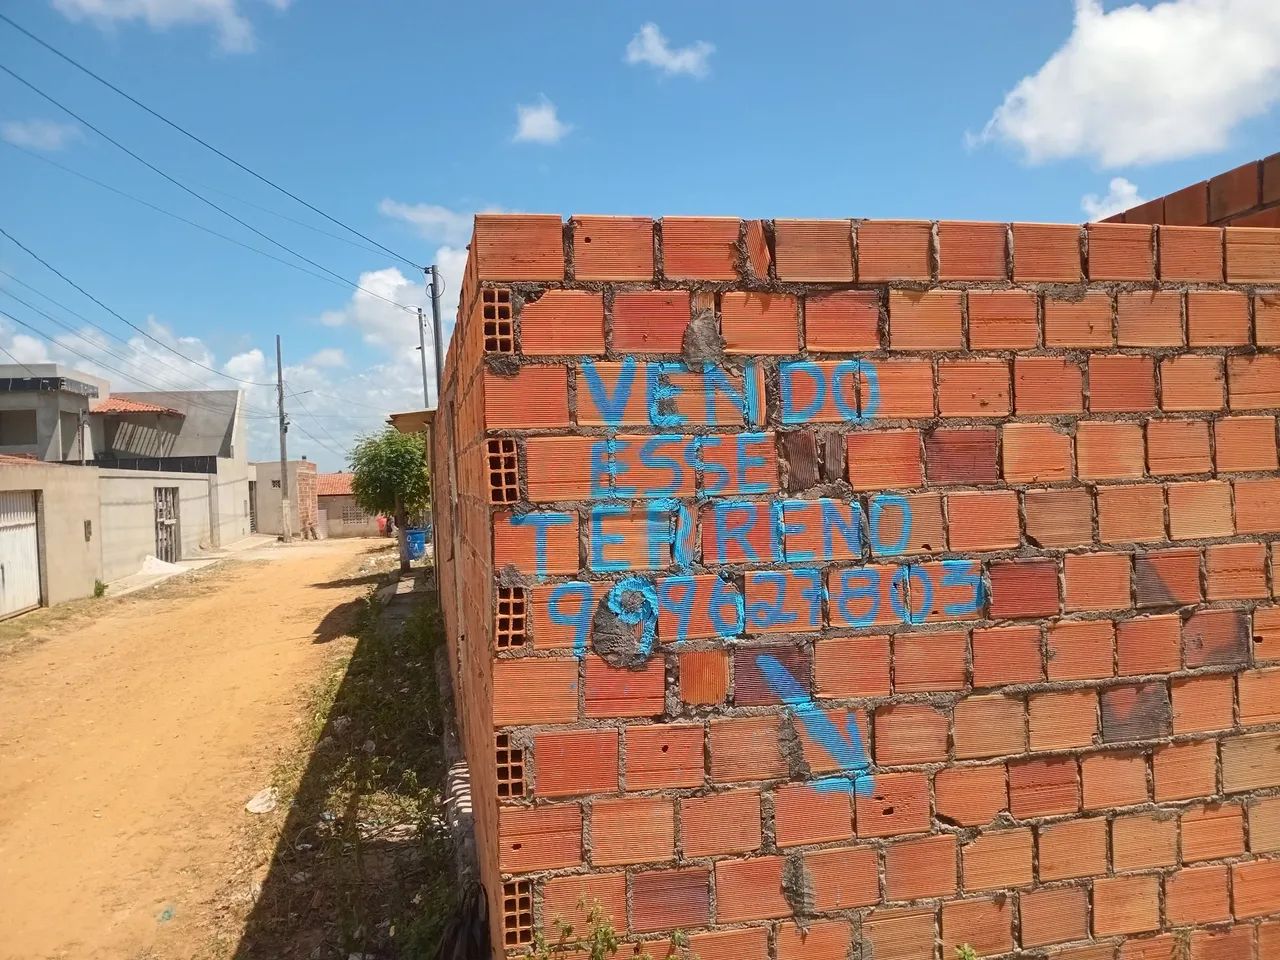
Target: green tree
x=391 y=479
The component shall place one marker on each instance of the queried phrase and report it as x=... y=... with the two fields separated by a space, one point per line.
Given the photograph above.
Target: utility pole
x=284 y=448
x=422 y=350
x=435 y=328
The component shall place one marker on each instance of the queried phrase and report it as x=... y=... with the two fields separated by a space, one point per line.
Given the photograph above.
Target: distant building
x=340 y=515
x=304 y=509
x=44 y=410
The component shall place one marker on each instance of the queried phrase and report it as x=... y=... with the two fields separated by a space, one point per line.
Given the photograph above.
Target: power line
x=17 y=361
x=306 y=410
x=35 y=256
x=176 y=216
x=98 y=362
x=123 y=358
x=199 y=196
x=204 y=143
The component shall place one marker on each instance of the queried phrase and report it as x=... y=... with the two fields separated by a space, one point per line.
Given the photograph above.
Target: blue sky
x=403 y=120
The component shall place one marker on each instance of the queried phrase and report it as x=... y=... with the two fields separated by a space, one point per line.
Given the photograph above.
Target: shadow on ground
x=363 y=865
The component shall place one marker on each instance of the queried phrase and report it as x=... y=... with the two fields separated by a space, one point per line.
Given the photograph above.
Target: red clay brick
x=1188 y=206
x=1079 y=322
x=612 y=248
x=1121 y=251
x=1138 y=712
x=983 y=520
x=805 y=815
x=757 y=250
x=1256 y=505
x=518 y=246
x=1197 y=895
x=910 y=733
x=1147 y=318
x=973 y=388
x=620 y=692
x=814 y=250
x=632 y=830
x=1178 y=447
x=914 y=869
x=1254 y=381
x=1253 y=255
x=1167 y=578
x=650 y=321
x=1059 y=518
x=563 y=322
x=843 y=321
x=1063 y=719
x=571 y=898
x=1200 y=509
x=1235 y=571
x=1245 y=443
x=1216 y=637
x=1202 y=704
x=575 y=762
x=903 y=934
x=1133 y=513
x=885 y=458
x=750 y=890
x=539 y=838
x=1235 y=191
x=823 y=940
x=1056 y=915
x=972 y=251
x=1185 y=770
x=997 y=859
x=1211 y=831
x=894 y=250
x=1070 y=849
x=1148 y=644
x=533 y=397
x=899 y=804
x=1109 y=450
x=970 y=796
x=720 y=823
x=1114 y=780
x=704 y=677
x=925 y=320
x=1004 y=655
x=990 y=726
x=1191 y=383
x=1035 y=453
x=851 y=667
x=1024 y=588
x=1259 y=697
x=746 y=749
x=757 y=323
x=961 y=456
x=700 y=248
x=1266 y=319
x=1003 y=320
x=1045 y=787
x=535 y=691
x=667 y=899
x=1217 y=319
x=554 y=468
x=985 y=925
x=664 y=756
x=1249 y=762
x=1080 y=649
x=843 y=877
x=1119 y=384
x=906 y=389
x=1043 y=251
x=1097 y=581
x=1047 y=385
x=929 y=662
x=1191 y=253
x=1123 y=905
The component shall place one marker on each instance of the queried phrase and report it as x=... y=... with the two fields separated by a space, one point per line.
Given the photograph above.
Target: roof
x=413 y=421
x=333 y=484
x=122 y=405
x=9 y=460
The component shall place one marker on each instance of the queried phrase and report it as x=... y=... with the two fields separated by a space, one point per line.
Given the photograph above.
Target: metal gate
x=253 y=506
x=167 y=524
x=19 y=553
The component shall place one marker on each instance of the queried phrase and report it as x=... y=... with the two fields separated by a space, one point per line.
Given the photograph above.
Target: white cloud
x=47 y=135
x=235 y=32
x=651 y=47
x=1143 y=84
x=432 y=220
x=538 y=123
x=328 y=357
x=1121 y=195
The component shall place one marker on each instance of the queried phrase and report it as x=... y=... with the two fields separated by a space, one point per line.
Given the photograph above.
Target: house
x=44 y=409
x=166 y=471
x=304 y=510
x=340 y=515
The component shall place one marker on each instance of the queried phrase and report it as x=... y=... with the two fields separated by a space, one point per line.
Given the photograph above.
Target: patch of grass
x=99 y=589
x=364 y=863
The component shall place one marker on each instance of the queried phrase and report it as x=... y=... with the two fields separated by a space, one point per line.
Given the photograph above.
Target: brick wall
x=1248 y=196
x=831 y=588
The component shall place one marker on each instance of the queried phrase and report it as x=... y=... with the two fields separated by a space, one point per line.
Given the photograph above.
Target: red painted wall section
x=851 y=588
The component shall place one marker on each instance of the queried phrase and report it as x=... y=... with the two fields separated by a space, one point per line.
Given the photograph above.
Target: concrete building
x=44 y=408
x=50 y=533
x=340 y=515
x=304 y=508
x=165 y=475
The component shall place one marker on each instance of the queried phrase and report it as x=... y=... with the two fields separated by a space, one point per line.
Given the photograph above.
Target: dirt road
x=131 y=737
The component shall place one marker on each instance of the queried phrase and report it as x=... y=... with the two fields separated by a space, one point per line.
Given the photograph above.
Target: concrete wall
x=57 y=415
x=268 y=476
x=70 y=552
x=211 y=425
x=866 y=588
x=332 y=509
x=129 y=520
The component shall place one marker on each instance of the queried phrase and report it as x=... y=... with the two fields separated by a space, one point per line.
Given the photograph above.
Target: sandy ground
x=132 y=735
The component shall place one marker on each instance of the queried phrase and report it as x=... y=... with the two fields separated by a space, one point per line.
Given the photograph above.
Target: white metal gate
x=19 y=552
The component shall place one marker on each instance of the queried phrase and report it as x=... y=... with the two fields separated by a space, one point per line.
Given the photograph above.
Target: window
x=17 y=428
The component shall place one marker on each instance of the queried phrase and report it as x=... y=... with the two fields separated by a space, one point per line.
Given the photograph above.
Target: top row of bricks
x=513 y=247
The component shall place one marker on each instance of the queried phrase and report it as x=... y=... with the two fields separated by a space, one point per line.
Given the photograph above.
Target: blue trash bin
x=416 y=539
